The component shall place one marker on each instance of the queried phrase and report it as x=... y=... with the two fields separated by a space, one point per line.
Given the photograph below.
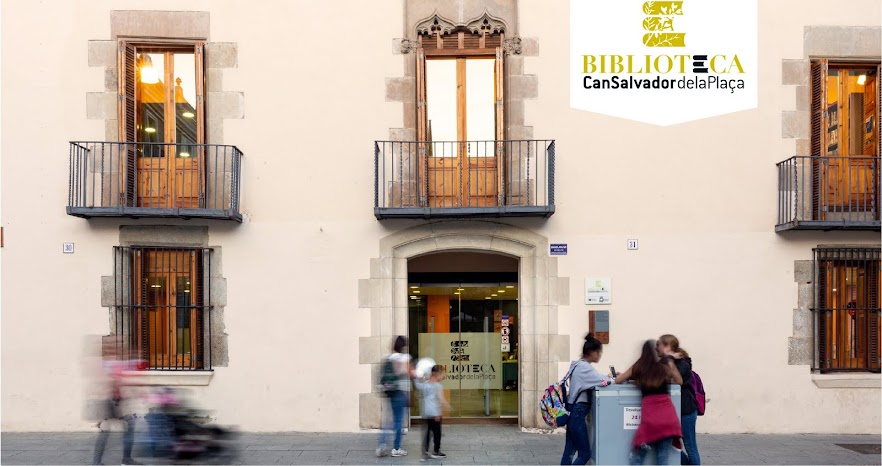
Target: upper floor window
x=845 y=109
x=162 y=114
x=847 y=284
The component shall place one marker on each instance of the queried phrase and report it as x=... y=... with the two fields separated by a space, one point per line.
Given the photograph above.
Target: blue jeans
x=662 y=451
x=690 y=443
x=398 y=407
x=577 y=436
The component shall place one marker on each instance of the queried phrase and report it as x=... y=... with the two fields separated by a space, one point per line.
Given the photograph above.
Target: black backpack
x=388 y=379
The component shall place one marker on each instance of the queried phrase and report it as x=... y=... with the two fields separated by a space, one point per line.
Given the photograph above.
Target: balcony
x=828 y=193
x=154 y=180
x=460 y=179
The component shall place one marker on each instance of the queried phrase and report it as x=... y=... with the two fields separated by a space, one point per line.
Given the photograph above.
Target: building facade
x=255 y=201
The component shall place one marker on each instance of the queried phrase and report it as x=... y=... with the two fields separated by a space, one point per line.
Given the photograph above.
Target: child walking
x=432 y=403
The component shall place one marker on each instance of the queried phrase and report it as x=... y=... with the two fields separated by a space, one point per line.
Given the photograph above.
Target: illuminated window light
x=149 y=130
x=188 y=115
x=184 y=154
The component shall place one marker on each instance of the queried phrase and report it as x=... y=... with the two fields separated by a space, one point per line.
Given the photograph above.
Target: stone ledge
x=176 y=378
x=847 y=380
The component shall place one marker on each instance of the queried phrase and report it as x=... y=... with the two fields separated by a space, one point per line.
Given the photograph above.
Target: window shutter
x=818 y=144
x=127 y=124
x=878 y=116
x=199 y=57
x=821 y=312
x=875 y=357
x=500 y=123
x=422 y=116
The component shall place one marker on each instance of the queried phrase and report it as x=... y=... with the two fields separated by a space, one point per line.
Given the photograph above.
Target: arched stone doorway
x=541 y=292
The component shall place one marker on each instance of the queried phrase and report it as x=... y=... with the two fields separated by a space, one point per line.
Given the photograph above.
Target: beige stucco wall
x=700 y=197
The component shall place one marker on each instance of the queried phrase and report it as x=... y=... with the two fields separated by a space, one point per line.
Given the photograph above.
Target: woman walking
x=398 y=399
x=659 y=425
x=583 y=377
x=668 y=346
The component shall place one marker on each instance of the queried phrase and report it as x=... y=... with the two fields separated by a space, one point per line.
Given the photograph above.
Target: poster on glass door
x=472 y=360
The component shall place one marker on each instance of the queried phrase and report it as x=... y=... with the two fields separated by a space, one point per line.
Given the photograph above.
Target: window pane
x=151 y=101
x=480 y=105
x=186 y=123
x=441 y=102
x=851 y=111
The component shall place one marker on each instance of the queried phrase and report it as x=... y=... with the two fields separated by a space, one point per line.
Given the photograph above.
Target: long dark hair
x=400 y=343
x=591 y=345
x=648 y=372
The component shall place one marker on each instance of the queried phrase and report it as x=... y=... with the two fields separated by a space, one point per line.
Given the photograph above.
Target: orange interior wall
x=439 y=308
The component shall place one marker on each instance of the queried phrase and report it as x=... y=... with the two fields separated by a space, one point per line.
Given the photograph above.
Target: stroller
x=180 y=432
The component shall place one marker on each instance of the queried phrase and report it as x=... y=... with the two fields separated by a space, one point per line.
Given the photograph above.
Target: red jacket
x=658 y=421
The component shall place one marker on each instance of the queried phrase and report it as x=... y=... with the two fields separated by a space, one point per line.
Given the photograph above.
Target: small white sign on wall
x=632 y=417
x=598 y=290
x=67 y=248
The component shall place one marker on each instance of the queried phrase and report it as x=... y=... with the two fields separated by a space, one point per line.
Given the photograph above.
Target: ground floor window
x=162 y=313
x=847 y=312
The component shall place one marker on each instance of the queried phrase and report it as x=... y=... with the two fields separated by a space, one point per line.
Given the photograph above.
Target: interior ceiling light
x=413 y=297
x=413 y=287
x=417 y=291
x=149 y=130
x=862 y=79
x=456 y=292
x=501 y=291
x=488 y=297
x=494 y=295
x=460 y=289
x=509 y=286
x=188 y=115
x=184 y=154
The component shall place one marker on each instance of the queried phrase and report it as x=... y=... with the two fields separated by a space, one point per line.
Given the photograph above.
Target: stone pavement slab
x=464 y=444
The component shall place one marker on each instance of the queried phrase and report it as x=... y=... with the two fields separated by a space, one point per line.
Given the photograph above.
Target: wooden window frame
x=128 y=112
x=859 y=318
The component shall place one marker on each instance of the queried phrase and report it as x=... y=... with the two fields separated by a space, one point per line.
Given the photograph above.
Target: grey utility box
x=615 y=415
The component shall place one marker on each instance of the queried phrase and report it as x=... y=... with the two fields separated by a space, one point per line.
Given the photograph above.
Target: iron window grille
x=846 y=309
x=162 y=311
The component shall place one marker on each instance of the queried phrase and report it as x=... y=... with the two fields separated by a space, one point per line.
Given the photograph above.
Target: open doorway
x=463 y=313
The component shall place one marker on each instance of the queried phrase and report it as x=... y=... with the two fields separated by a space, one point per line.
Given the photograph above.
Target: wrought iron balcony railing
x=828 y=192
x=463 y=179
x=143 y=179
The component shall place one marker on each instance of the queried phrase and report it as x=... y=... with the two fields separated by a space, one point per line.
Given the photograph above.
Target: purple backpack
x=699 y=393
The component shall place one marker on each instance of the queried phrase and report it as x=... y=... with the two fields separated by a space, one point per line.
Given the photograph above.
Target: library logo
x=694 y=58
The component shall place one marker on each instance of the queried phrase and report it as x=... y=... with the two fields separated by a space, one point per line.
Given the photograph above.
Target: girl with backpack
x=583 y=378
x=398 y=397
x=669 y=347
x=659 y=425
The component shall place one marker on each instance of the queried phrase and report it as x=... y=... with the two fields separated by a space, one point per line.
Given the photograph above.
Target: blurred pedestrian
x=114 y=400
x=433 y=402
x=668 y=346
x=659 y=427
x=399 y=396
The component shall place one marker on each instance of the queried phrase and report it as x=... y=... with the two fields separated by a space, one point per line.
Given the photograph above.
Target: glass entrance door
x=471 y=331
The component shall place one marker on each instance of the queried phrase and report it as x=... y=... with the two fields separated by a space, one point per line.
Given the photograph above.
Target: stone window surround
x=155 y=25
x=541 y=292
x=178 y=236
x=848 y=43
x=845 y=43
x=801 y=345
x=519 y=86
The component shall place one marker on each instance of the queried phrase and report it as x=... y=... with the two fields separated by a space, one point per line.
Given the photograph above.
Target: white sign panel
x=472 y=360
x=67 y=248
x=598 y=291
x=632 y=418
x=663 y=62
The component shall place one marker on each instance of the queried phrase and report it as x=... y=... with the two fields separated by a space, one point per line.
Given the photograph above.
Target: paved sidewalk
x=464 y=444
